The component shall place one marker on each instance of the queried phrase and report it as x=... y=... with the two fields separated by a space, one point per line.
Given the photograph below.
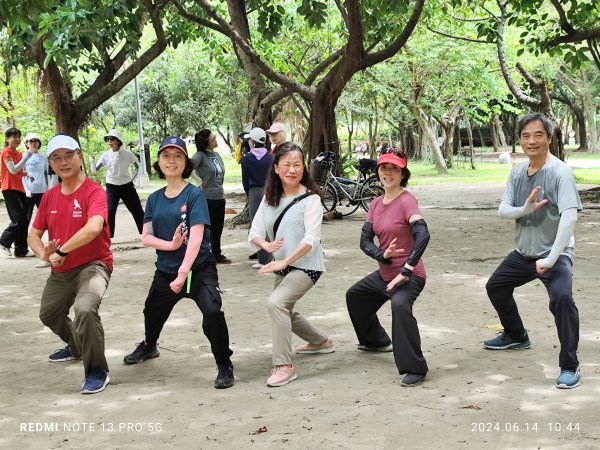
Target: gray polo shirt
x=536 y=231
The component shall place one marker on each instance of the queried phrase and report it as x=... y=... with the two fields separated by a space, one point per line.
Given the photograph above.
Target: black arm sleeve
x=368 y=246
x=420 y=234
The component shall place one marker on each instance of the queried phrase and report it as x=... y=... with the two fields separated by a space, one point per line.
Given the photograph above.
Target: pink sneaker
x=281 y=375
x=325 y=347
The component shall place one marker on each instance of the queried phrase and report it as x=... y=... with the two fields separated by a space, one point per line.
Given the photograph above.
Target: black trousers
x=205 y=292
x=216 y=211
x=131 y=200
x=32 y=202
x=517 y=270
x=16 y=232
x=366 y=297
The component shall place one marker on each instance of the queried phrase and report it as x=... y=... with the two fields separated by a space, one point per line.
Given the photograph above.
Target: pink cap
x=276 y=127
x=392 y=158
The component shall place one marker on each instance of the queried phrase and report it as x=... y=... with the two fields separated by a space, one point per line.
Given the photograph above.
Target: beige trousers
x=285 y=321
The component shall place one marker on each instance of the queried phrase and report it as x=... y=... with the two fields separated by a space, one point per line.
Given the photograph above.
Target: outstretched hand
x=533 y=196
x=50 y=248
x=178 y=237
x=391 y=250
x=272 y=247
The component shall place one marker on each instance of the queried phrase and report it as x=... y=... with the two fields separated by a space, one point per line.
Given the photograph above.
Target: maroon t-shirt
x=391 y=221
x=64 y=215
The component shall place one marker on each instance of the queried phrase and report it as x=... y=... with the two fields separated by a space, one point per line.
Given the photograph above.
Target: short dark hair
x=273 y=185
x=547 y=122
x=12 y=132
x=201 y=138
x=405 y=176
x=189 y=168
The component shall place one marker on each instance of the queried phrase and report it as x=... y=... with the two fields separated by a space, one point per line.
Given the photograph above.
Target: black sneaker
x=222 y=259
x=224 y=379
x=141 y=353
x=412 y=379
x=253 y=256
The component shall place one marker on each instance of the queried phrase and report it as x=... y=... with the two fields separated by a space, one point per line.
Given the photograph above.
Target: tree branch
x=343 y=13
x=197 y=19
x=460 y=38
x=562 y=17
x=394 y=47
x=322 y=66
x=273 y=75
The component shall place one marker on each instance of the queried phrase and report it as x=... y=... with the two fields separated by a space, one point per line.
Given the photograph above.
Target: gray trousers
x=285 y=321
x=81 y=288
x=255 y=195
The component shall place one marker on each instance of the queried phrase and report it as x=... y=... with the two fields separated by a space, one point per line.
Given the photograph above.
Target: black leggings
x=131 y=200
x=216 y=211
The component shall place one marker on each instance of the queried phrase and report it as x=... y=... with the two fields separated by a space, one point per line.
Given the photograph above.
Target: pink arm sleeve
x=193 y=247
x=149 y=240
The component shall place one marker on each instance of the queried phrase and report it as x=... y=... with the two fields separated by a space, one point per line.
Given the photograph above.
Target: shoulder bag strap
x=296 y=200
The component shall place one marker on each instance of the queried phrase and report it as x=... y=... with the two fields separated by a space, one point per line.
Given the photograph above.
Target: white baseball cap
x=62 y=142
x=32 y=137
x=114 y=133
x=277 y=127
x=258 y=135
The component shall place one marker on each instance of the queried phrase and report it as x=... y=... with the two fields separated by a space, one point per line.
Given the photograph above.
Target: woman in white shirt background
x=119 y=181
x=35 y=176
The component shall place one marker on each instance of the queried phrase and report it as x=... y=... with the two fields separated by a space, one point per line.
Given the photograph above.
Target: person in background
x=35 y=177
x=292 y=201
x=277 y=135
x=255 y=168
x=209 y=174
x=541 y=197
x=395 y=219
x=119 y=181
x=177 y=226
x=15 y=198
x=74 y=214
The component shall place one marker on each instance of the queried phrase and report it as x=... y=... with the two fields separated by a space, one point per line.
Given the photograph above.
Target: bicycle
x=345 y=195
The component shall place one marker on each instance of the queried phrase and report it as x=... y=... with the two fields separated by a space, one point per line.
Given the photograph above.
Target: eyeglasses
x=109 y=139
x=169 y=157
x=394 y=151
x=67 y=157
x=34 y=141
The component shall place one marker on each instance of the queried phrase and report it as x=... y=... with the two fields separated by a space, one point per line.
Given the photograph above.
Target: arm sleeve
x=420 y=234
x=14 y=168
x=313 y=219
x=193 y=247
x=149 y=240
x=566 y=229
x=507 y=211
x=367 y=244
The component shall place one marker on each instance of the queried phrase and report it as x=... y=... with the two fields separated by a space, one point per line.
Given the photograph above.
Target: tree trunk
x=494 y=135
x=500 y=131
x=470 y=138
x=430 y=137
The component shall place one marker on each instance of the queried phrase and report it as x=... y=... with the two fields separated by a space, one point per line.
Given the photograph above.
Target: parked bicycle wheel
x=347 y=201
x=370 y=189
x=329 y=199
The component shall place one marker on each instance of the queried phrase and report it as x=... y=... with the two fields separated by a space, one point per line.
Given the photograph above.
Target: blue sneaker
x=95 y=381
x=568 y=378
x=62 y=354
x=504 y=342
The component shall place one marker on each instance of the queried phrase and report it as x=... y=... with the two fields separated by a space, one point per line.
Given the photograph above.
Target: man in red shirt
x=74 y=213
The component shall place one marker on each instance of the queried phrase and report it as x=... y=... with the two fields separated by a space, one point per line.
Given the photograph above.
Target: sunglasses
x=109 y=139
x=394 y=151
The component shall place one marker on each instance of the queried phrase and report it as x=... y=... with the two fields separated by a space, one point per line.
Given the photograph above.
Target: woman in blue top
x=298 y=256
x=35 y=176
x=176 y=224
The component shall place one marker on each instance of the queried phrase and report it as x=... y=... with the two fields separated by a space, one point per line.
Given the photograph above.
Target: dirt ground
x=473 y=398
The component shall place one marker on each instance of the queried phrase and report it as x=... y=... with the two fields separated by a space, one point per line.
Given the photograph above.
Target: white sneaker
x=257 y=265
x=43 y=264
x=4 y=250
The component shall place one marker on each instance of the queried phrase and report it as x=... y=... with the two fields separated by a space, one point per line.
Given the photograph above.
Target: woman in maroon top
x=402 y=234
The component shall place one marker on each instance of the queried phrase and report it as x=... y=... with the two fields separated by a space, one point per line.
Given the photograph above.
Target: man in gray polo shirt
x=542 y=198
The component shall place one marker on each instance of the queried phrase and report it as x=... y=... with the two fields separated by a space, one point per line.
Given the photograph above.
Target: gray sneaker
x=384 y=349
x=5 y=250
x=503 y=342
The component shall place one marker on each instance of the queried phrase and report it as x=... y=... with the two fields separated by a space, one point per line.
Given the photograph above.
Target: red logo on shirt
x=183 y=208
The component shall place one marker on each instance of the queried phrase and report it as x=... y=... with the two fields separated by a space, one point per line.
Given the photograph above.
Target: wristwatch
x=60 y=253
